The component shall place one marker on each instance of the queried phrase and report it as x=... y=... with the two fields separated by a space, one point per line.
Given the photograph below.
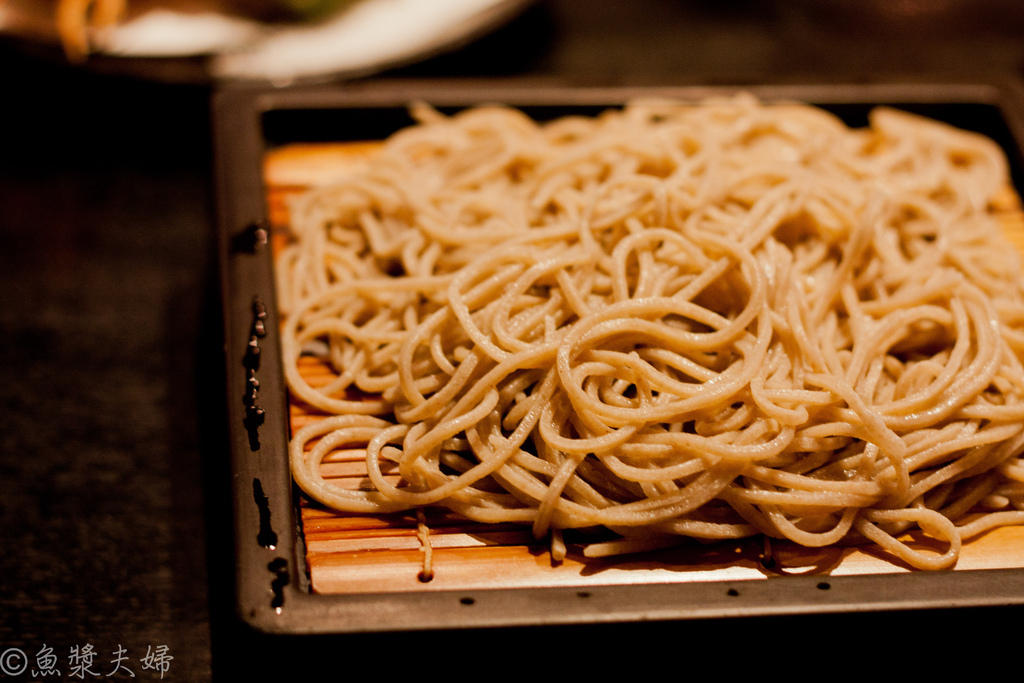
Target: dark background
x=114 y=520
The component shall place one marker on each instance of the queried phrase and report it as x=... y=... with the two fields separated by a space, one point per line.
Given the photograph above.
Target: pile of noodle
x=707 y=321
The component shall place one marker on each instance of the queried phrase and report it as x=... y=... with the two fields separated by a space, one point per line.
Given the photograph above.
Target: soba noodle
x=708 y=321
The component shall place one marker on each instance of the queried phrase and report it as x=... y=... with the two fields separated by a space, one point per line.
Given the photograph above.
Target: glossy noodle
x=710 y=321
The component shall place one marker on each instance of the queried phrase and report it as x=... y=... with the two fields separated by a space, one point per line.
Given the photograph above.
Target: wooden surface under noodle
x=349 y=553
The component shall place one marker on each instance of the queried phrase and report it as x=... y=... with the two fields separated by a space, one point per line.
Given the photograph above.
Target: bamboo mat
x=349 y=553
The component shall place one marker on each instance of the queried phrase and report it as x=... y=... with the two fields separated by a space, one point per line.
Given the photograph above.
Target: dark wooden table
x=115 y=528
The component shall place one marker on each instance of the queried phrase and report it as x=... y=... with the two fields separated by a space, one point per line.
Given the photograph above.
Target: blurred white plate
x=362 y=37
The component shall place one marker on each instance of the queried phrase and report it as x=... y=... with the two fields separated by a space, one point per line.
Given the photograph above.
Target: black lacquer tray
x=274 y=593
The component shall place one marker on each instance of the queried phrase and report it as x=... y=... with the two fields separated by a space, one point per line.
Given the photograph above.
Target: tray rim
x=273 y=593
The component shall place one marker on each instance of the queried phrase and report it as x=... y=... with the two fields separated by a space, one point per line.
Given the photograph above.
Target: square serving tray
x=274 y=592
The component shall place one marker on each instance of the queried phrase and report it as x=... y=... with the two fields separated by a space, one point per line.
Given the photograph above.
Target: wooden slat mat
x=358 y=553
